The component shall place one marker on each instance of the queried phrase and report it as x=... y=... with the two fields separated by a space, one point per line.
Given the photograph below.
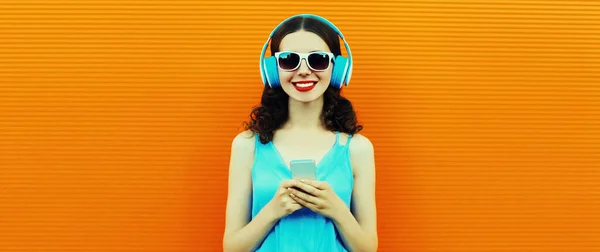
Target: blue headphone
x=342 y=67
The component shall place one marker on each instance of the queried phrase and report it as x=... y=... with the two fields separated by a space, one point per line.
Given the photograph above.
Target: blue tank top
x=303 y=230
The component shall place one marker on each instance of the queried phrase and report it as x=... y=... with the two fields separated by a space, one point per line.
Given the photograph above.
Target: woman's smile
x=305 y=85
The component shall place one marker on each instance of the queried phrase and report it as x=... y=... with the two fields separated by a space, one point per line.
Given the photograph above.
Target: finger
x=304 y=196
x=308 y=188
x=291 y=197
x=287 y=183
x=295 y=204
x=315 y=183
x=304 y=202
x=292 y=207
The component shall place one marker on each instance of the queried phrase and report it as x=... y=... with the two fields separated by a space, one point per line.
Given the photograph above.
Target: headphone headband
x=330 y=24
x=322 y=19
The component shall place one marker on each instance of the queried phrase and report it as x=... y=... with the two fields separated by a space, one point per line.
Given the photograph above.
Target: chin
x=304 y=98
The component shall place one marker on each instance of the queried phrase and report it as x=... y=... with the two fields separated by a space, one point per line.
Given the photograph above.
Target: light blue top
x=303 y=230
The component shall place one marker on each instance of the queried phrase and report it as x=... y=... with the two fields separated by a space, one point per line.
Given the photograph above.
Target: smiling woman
x=304 y=63
x=302 y=116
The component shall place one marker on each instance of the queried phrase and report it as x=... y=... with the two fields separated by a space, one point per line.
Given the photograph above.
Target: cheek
x=326 y=75
x=285 y=76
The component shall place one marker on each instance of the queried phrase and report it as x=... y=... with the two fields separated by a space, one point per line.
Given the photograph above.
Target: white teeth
x=305 y=84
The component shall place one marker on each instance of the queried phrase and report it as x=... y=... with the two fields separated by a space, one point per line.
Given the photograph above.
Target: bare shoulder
x=362 y=155
x=361 y=146
x=242 y=151
x=244 y=141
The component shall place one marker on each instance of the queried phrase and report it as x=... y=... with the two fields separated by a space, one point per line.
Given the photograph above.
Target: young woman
x=302 y=116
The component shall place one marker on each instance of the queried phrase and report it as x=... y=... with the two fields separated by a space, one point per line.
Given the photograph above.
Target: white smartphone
x=303 y=169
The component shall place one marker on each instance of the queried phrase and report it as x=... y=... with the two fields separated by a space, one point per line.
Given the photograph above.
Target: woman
x=302 y=116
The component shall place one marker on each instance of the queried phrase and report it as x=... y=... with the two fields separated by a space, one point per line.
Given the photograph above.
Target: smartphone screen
x=303 y=169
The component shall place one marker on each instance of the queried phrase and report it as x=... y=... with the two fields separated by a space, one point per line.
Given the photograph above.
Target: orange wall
x=116 y=119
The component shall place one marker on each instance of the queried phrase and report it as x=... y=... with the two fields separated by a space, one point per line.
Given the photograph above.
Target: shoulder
x=362 y=155
x=242 y=154
x=244 y=142
x=360 y=146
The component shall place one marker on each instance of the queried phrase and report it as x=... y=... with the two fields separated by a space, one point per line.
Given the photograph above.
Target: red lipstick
x=305 y=85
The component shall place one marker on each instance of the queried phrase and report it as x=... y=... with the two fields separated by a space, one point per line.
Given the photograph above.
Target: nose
x=303 y=68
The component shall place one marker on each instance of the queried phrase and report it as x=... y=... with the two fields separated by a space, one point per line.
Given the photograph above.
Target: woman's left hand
x=317 y=196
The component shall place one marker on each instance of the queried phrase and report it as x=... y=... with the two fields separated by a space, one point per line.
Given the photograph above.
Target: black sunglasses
x=316 y=61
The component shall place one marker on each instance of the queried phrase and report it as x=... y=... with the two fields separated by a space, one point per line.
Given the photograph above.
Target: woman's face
x=303 y=84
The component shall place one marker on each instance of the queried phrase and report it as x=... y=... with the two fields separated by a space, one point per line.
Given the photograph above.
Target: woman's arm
x=241 y=234
x=359 y=226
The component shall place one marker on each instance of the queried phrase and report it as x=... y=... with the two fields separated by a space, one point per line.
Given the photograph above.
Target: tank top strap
x=347 y=146
x=338 y=139
x=256 y=146
x=347 y=150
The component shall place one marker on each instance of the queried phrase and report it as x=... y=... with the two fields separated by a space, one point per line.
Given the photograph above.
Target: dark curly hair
x=337 y=113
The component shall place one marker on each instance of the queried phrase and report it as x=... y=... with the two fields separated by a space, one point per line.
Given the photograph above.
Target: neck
x=305 y=115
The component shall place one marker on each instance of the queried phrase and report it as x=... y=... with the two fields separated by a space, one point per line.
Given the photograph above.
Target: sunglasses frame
x=304 y=56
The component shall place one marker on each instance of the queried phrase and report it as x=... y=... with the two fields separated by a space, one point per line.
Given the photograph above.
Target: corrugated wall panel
x=116 y=119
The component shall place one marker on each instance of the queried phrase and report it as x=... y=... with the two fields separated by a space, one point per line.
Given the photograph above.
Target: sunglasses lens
x=288 y=61
x=319 y=60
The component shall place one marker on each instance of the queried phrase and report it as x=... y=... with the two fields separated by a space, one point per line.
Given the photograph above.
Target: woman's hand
x=282 y=204
x=318 y=196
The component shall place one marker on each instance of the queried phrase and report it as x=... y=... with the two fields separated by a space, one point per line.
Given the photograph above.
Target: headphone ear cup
x=271 y=72
x=340 y=67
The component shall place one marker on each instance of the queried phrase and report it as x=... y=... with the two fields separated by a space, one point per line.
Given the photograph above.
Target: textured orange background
x=116 y=120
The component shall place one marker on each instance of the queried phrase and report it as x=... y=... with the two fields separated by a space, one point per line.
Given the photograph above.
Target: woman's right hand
x=282 y=204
